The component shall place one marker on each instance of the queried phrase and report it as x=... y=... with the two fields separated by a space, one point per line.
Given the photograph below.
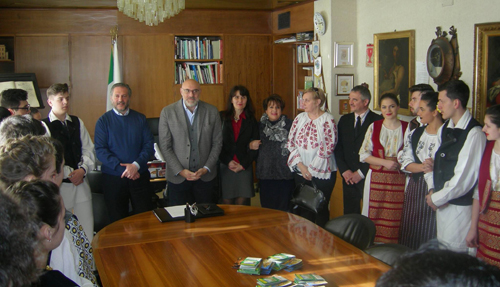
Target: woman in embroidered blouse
x=418 y=222
x=484 y=232
x=384 y=185
x=311 y=142
x=275 y=178
x=239 y=128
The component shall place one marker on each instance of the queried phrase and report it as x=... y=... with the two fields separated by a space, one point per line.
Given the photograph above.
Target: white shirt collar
x=120 y=114
x=53 y=117
x=462 y=122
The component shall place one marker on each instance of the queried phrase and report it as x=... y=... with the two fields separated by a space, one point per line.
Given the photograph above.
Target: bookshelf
x=301 y=67
x=199 y=58
x=7 y=64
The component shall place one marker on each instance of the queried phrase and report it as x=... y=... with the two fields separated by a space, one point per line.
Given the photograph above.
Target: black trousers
x=198 y=191
x=118 y=191
x=353 y=194
x=326 y=186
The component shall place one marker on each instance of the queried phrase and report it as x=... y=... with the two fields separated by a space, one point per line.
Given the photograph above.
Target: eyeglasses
x=188 y=91
x=27 y=107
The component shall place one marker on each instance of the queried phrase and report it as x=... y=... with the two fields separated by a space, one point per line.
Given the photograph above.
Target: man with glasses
x=124 y=143
x=16 y=101
x=190 y=140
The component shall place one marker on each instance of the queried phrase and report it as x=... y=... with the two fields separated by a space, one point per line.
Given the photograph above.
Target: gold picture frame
x=486 y=68
x=394 y=67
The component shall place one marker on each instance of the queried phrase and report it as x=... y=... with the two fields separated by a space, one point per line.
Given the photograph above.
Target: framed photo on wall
x=344 y=107
x=394 y=67
x=344 y=54
x=344 y=84
x=486 y=68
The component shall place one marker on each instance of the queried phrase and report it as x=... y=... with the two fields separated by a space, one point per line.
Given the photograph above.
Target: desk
x=141 y=251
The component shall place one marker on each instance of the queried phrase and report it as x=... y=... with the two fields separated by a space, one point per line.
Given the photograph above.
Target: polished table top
x=141 y=251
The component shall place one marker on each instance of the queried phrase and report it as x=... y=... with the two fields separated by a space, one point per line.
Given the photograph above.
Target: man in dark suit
x=190 y=140
x=351 y=131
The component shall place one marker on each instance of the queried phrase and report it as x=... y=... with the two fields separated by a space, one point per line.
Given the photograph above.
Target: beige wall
x=357 y=21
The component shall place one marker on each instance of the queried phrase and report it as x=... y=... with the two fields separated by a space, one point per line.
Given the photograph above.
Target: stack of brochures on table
x=310 y=279
x=281 y=260
x=274 y=280
x=266 y=267
x=250 y=265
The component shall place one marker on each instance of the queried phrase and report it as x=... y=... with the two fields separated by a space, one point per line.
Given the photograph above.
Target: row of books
x=194 y=48
x=203 y=73
x=304 y=54
x=310 y=279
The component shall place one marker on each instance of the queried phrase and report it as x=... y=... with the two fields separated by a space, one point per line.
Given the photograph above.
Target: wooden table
x=141 y=251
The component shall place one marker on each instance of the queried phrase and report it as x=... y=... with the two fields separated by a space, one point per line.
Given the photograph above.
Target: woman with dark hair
x=311 y=143
x=485 y=224
x=46 y=207
x=418 y=222
x=275 y=178
x=239 y=128
x=385 y=183
x=18 y=244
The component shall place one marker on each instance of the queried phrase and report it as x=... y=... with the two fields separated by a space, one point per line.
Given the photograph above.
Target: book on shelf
x=300 y=101
x=308 y=82
x=203 y=73
x=197 y=48
x=286 y=40
x=304 y=54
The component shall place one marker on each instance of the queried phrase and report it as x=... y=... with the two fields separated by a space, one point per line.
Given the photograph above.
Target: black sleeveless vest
x=69 y=137
x=452 y=141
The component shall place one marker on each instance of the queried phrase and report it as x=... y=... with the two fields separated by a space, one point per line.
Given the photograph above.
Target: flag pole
x=114 y=75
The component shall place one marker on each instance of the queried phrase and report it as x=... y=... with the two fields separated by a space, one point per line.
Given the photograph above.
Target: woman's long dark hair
x=249 y=110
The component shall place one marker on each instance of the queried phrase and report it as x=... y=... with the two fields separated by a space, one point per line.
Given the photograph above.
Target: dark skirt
x=236 y=184
x=418 y=223
x=276 y=194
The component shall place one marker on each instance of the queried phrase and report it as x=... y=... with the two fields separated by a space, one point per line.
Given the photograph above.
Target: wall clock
x=319 y=23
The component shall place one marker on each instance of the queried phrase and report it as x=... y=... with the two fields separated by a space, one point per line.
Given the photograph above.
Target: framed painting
x=345 y=83
x=394 y=67
x=486 y=68
x=344 y=107
x=344 y=55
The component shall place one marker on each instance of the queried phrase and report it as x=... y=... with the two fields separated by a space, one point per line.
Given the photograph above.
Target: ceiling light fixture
x=151 y=11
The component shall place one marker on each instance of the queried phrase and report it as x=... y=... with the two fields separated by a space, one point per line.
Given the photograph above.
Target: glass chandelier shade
x=151 y=11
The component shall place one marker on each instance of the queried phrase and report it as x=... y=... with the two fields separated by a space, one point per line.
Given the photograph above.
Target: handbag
x=308 y=197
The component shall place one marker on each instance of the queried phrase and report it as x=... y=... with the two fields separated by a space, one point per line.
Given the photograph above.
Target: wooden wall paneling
x=248 y=62
x=46 y=56
x=57 y=21
x=200 y=22
x=148 y=67
x=283 y=75
x=90 y=57
x=301 y=16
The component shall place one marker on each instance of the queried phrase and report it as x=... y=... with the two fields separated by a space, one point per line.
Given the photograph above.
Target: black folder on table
x=174 y=213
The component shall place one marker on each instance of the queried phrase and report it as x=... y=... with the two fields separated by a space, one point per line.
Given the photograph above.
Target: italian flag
x=114 y=73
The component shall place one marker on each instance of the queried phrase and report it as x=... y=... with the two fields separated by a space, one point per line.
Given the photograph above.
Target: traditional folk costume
x=418 y=222
x=456 y=169
x=489 y=207
x=312 y=143
x=384 y=189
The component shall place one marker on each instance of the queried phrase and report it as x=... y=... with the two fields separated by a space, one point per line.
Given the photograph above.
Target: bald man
x=190 y=140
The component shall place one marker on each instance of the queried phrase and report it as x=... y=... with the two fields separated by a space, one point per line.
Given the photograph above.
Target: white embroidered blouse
x=312 y=142
x=391 y=140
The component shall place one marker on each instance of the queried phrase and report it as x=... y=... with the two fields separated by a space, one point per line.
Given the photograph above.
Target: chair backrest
x=388 y=253
x=101 y=217
x=153 y=126
x=356 y=229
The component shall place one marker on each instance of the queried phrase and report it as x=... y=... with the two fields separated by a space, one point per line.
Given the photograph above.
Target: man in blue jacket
x=124 y=143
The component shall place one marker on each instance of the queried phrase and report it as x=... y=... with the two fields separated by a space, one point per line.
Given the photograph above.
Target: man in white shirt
x=78 y=156
x=456 y=166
